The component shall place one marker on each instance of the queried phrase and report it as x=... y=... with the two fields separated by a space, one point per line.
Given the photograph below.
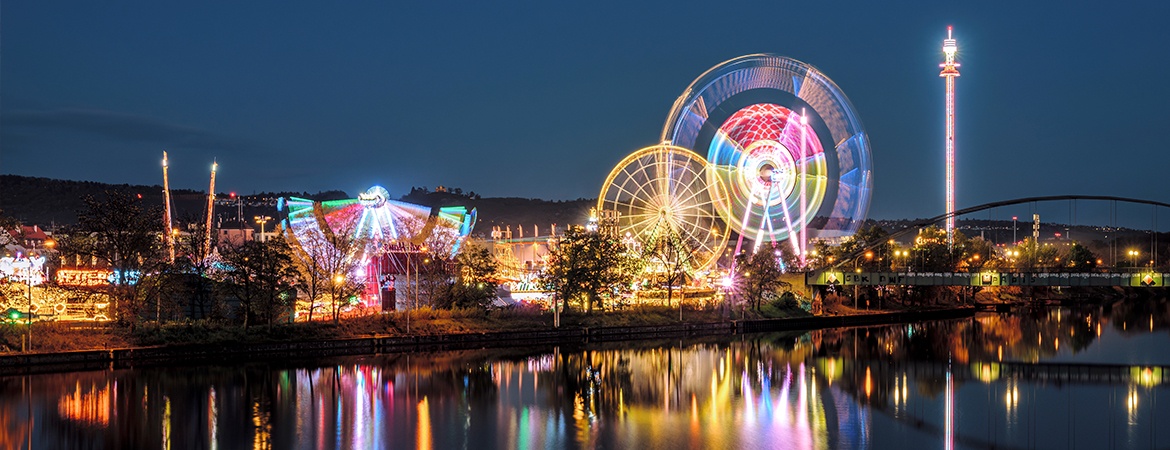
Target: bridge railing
x=1146 y=279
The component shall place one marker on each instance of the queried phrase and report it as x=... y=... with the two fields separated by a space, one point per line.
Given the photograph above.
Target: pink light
x=950 y=71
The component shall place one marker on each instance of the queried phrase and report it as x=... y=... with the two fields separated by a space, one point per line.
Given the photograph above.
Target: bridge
x=919 y=225
x=835 y=276
x=1141 y=279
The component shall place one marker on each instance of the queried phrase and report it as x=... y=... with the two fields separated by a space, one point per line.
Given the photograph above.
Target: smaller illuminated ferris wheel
x=664 y=191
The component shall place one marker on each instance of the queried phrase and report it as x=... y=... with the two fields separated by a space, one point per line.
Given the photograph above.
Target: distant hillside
x=48 y=202
x=511 y=211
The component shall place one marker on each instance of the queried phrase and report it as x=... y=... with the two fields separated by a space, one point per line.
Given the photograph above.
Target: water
x=1048 y=378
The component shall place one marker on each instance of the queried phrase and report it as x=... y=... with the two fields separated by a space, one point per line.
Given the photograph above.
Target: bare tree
x=121 y=232
x=193 y=267
x=671 y=257
x=327 y=262
x=260 y=275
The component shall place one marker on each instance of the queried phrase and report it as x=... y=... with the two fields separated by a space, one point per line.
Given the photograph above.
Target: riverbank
x=121 y=358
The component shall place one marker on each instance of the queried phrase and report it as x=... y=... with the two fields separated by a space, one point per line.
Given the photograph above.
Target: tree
x=1034 y=255
x=759 y=276
x=8 y=224
x=192 y=270
x=671 y=256
x=876 y=239
x=260 y=275
x=122 y=233
x=327 y=262
x=1081 y=258
x=589 y=267
x=975 y=253
x=436 y=273
x=475 y=284
x=930 y=252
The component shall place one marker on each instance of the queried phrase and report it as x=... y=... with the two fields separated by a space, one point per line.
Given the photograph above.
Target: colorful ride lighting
x=786 y=144
x=774 y=167
x=377 y=221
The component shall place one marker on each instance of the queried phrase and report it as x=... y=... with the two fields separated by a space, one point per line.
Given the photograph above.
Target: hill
x=50 y=202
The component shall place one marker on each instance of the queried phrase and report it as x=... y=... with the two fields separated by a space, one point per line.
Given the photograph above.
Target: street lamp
x=1132 y=257
x=262 y=220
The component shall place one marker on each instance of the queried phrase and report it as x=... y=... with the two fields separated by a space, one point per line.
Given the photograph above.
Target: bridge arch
x=920 y=224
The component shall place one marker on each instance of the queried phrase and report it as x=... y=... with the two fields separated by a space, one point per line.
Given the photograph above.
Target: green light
x=14 y=315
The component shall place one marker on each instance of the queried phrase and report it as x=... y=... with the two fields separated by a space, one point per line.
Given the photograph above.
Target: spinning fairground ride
x=760 y=151
x=375 y=241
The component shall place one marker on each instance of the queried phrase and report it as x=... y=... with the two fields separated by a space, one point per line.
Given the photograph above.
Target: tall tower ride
x=950 y=70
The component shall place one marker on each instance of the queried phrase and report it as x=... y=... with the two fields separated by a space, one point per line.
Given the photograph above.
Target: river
x=1041 y=378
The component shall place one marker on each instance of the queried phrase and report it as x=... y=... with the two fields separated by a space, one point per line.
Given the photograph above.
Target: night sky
x=541 y=99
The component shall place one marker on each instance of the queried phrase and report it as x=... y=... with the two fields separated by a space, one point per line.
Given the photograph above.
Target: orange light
x=83 y=277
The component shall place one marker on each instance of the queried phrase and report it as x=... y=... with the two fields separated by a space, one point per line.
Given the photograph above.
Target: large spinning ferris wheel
x=663 y=192
x=786 y=160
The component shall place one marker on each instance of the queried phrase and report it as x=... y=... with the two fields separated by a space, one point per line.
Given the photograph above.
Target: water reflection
x=1047 y=378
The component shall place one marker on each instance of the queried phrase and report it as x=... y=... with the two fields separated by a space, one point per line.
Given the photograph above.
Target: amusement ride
x=762 y=148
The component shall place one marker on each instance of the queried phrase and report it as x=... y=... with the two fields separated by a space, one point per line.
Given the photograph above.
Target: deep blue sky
x=541 y=99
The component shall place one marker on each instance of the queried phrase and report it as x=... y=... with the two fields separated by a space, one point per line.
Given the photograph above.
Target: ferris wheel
x=785 y=142
x=664 y=191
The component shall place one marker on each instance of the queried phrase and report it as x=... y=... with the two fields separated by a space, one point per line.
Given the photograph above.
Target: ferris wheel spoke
x=696 y=193
x=632 y=194
x=640 y=223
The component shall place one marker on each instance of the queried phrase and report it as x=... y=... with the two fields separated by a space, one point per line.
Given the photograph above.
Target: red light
x=139 y=195
x=1014 y=217
x=233 y=195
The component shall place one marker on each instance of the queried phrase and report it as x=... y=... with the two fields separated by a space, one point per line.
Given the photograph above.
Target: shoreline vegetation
x=67 y=346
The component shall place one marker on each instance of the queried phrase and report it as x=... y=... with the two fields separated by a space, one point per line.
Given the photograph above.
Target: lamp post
x=28 y=317
x=408 y=258
x=262 y=220
x=1132 y=258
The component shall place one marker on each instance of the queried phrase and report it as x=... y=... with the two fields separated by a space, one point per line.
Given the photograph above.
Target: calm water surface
x=1046 y=378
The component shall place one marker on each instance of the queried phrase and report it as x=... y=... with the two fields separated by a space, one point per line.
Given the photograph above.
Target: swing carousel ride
x=372 y=240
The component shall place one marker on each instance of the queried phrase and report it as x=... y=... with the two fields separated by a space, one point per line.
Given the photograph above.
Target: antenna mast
x=169 y=237
x=210 y=209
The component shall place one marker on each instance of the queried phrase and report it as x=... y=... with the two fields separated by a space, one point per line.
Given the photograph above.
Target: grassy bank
x=62 y=337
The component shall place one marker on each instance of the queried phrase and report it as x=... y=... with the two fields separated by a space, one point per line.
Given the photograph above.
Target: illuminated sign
x=375 y=197
x=84 y=277
x=94 y=277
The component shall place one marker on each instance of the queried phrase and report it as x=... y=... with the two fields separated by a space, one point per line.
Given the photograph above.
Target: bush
x=787 y=300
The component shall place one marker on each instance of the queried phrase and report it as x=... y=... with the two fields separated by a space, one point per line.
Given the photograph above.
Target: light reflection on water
x=968 y=383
